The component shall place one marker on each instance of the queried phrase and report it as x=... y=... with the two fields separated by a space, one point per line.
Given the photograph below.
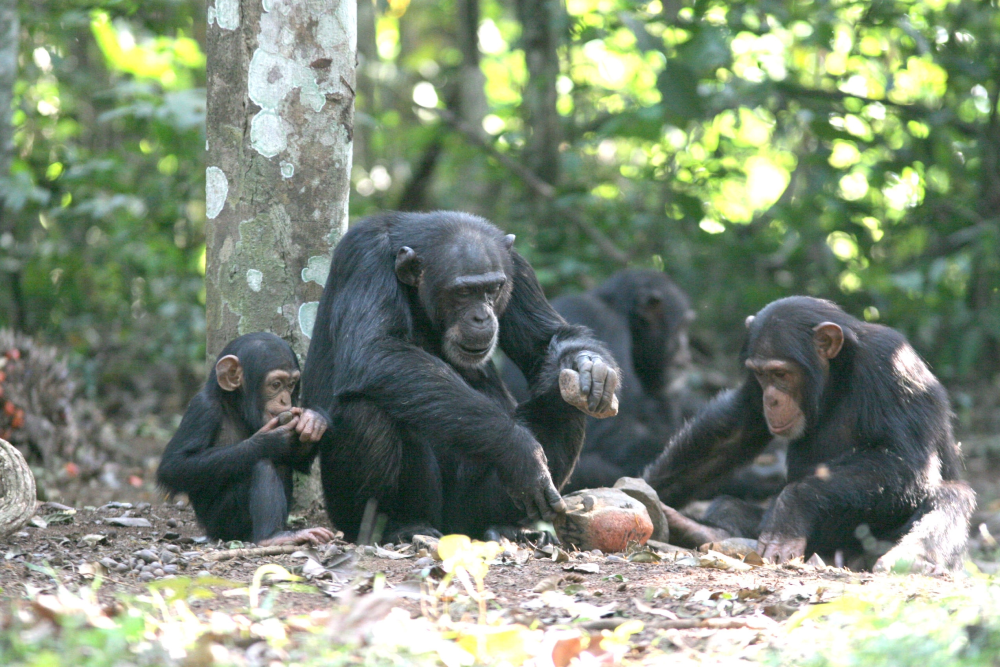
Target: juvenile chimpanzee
x=643 y=317
x=870 y=443
x=239 y=441
x=413 y=309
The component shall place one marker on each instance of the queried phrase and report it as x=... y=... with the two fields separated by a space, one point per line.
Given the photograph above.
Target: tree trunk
x=280 y=128
x=541 y=26
x=17 y=490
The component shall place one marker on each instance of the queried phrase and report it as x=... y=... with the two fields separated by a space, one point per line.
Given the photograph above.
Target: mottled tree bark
x=542 y=24
x=281 y=78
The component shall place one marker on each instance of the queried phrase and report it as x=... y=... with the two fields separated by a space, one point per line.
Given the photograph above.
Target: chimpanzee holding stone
x=239 y=441
x=643 y=318
x=870 y=445
x=421 y=424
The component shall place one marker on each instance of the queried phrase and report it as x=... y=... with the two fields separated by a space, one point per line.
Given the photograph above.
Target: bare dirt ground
x=702 y=608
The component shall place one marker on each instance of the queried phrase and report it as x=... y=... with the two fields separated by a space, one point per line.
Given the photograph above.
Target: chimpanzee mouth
x=475 y=351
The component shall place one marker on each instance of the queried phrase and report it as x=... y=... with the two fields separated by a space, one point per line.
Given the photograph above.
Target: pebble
x=146 y=576
x=597 y=552
x=148 y=568
x=159 y=572
x=170 y=569
x=616 y=559
x=142 y=507
x=109 y=563
x=166 y=557
x=204 y=573
x=146 y=555
x=122 y=567
x=426 y=561
x=171 y=523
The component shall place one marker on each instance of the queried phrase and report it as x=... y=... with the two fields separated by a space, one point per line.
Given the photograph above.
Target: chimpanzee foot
x=688 y=533
x=908 y=559
x=520 y=535
x=406 y=533
x=313 y=536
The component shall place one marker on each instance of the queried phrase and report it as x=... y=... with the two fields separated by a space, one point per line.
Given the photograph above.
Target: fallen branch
x=536 y=184
x=254 y=552
x=754 y=622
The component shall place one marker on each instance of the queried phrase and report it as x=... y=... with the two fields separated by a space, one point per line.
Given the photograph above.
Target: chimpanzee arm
x=729 y=432
x=541 y=343
x=869 y=486
x=193 y=462
x=537 y=339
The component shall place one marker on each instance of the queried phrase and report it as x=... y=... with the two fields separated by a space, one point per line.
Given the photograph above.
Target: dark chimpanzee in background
x=400 y=357
x=239 y=441
x=870 y=444
x=643 y=318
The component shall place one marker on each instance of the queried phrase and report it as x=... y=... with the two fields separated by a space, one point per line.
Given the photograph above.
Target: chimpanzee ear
x=229 y=372
x=408 y=266
x=828 y=338
x=748 y=321
x=508 y=241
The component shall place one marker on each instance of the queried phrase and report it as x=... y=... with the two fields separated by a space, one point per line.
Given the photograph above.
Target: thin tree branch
x=536 y=184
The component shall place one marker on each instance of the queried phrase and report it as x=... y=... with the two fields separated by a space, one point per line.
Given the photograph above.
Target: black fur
x=878 y=448
x=642 y=316
x=239 y=483
x=436 y=445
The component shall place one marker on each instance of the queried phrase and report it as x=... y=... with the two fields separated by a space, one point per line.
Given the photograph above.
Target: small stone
x=142 y=507
x=172 y=548
x=389 y=547
x=171 y=535
x=109 y=563
x=616 y=559
x=146 y=555
x=734 y=547
x=815 y=561
x=130 y=522
x=639 y=489
x=167 y=557
x=204 y=573
x=598 y=553
x=170 y=569
x=426 y=561
x=146 y=576
x=171 y=523
x=605 y=519
x=122 y=567
x=159 y=572
x=148 y=568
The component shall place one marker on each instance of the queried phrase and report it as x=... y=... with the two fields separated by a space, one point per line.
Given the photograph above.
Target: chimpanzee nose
x=480 y=317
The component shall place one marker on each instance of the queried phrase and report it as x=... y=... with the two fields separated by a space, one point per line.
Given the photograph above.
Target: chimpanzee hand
x=589 y=383
x=311 y=426
x=279 y=433
x=531 y=488
x=779 y=548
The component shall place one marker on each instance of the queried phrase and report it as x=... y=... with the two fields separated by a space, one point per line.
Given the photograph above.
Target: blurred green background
x=756 y=149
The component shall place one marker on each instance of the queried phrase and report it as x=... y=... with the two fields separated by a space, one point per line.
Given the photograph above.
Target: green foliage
x=756 y=149
x=753 y=149
x=104 y=229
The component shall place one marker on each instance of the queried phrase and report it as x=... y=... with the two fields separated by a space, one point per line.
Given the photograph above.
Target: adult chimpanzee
x=239 y=441
x=870 y=443
x=414 y=307
x=643 y=317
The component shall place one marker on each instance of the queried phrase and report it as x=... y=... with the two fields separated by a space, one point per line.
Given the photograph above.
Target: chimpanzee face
x=782 y=382
x=278 y=390
x=463 y=288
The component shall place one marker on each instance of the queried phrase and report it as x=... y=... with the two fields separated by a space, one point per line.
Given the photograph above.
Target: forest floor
x=693 y=608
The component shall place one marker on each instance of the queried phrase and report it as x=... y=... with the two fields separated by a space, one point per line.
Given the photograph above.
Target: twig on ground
x=254 y=552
